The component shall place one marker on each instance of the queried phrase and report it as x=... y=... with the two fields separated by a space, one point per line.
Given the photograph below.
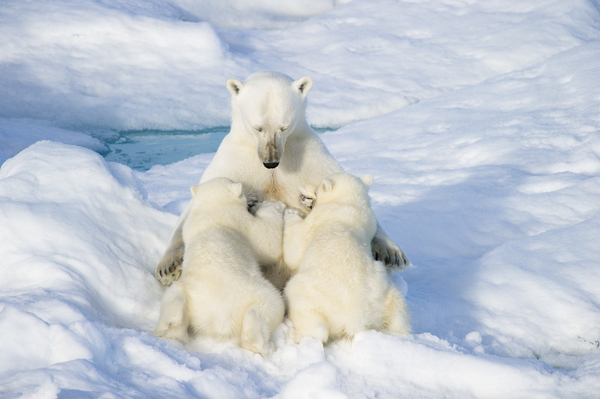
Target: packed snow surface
x=479 y=120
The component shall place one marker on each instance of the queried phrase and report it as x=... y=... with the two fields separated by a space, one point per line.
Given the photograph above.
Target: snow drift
x=489 y=181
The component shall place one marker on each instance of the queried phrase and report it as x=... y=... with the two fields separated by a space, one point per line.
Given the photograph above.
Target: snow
x=266 y=14
x=479 y=120
x=144 y=65
x=18 y=134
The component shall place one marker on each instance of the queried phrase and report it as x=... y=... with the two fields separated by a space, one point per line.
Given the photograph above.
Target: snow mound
x=80 y=247
x=18 y=134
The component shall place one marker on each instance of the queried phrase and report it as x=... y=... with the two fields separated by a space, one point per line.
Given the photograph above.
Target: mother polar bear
x=276 y=155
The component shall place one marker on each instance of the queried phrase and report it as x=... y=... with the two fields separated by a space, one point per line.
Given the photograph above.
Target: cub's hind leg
x=397 y=316
x=309 y=323
x=174 y=321
x=255 y=334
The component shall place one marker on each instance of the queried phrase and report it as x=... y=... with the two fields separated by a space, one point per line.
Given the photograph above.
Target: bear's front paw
x=386 y=251
x=169 y=267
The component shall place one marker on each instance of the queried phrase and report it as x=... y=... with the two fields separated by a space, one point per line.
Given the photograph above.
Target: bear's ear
x=303 y=85
x=367 y=180
x=234 y=86
x=194 y=190
x=327 y=185
x=236 y=189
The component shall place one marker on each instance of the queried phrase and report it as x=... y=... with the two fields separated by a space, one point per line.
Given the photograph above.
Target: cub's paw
x=252 y=202
x=270 y=209
x=169 y=267
x=386 y=251
x=307 y=201
x=293 y=214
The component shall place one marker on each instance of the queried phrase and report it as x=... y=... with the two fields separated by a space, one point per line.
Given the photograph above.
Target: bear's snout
x=270 y=152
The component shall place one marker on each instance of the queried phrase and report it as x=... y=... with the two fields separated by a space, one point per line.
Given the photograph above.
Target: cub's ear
x=327 y=185
x=194 y=190
x=234 y=86
x=367 y=180
x=303 y=85
x=236 y=189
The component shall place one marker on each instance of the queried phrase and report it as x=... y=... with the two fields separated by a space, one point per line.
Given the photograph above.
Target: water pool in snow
x=142 y=149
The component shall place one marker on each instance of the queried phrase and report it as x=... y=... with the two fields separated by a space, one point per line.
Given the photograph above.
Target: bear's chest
x=277 y=186
x=273 y=189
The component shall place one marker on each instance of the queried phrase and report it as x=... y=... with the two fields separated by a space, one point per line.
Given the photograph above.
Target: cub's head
x=217 y=192
x=269 y=105
x=343 y=187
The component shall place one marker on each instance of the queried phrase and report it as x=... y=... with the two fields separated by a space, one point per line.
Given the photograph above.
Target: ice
x=141 y=150
x=265 y=14
x=317 y=381
x=18 y=134
x=479 y=121
x=148 y=65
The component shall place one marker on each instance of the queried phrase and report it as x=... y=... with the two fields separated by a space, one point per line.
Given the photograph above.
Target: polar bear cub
x=338 y=289
x=222 y=293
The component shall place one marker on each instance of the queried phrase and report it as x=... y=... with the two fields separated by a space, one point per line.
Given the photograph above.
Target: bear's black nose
x=271 y=165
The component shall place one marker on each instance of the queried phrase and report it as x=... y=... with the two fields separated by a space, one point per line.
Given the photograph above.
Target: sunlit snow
x=479 y=120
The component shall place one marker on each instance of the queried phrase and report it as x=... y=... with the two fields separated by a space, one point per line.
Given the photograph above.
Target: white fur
x=269 y=127
x=222 y=293
x=338 y=289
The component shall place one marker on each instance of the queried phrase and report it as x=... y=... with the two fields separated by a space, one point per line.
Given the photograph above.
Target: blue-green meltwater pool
x=140 y=150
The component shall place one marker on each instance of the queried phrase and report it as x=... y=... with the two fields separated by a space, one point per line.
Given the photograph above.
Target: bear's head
x=344 y=188
x=217 y=192
x=268 y=105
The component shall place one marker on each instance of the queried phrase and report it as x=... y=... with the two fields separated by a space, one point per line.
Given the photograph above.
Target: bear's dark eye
x=258 y=129
x=283 y=128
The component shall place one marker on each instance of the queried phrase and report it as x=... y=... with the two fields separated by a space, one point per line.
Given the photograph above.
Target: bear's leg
x=169 y=266
x=255 y=335
x=174 y=320
x=397 y=316
x=386 y=251
x=309 y=323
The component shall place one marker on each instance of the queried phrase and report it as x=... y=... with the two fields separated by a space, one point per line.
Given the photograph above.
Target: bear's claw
x=169 y=268
x=390 y=254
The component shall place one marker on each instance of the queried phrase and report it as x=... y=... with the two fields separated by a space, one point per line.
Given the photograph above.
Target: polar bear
x=276 y=155
x=338 y=289
x=222 y=293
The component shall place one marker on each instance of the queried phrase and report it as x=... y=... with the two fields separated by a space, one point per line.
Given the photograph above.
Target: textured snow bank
x=78 y=243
